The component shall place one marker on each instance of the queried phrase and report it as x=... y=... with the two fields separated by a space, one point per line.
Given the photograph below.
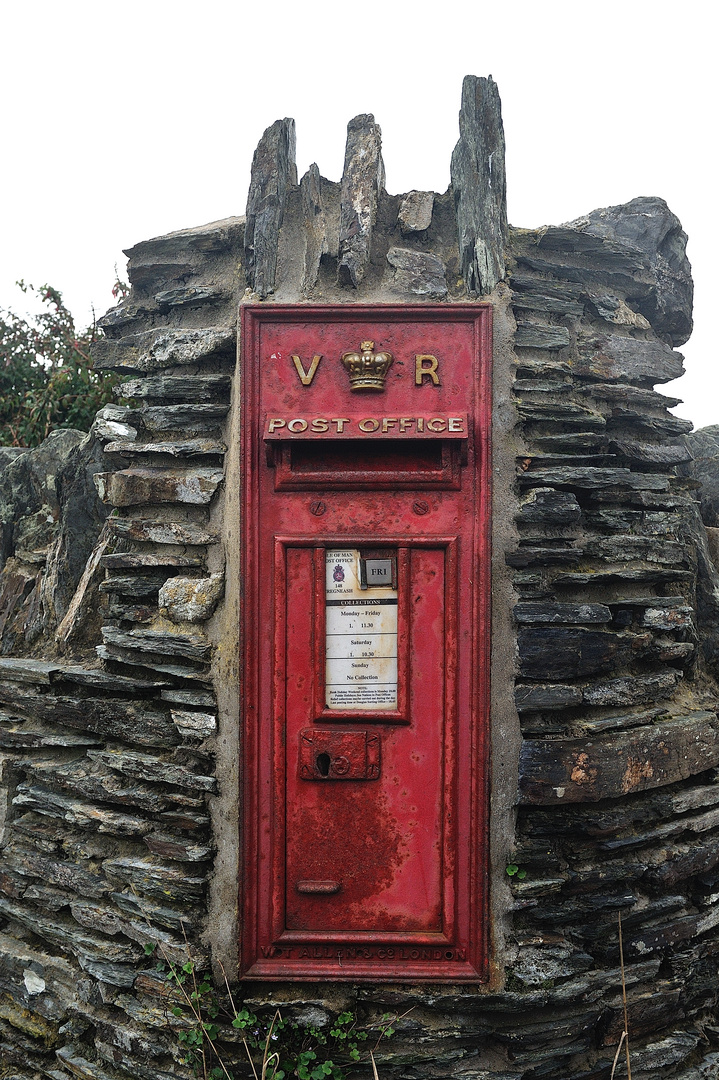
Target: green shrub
x=46 y=376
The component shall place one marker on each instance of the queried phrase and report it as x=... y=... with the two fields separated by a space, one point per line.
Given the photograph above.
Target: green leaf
x=512 y=869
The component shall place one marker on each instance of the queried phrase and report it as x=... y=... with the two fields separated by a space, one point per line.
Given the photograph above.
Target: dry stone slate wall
x=117 y=612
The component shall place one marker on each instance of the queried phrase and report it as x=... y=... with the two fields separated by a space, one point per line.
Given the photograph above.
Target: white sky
x=125 y=120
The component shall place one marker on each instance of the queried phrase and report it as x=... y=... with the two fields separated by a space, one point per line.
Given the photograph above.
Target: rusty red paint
x=365 y=830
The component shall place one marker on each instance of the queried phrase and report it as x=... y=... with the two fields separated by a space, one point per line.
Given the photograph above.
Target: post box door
x=365 y=689
x=368 y=805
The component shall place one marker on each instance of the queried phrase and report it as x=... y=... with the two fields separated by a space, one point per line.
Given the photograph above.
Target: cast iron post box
x=366 y=472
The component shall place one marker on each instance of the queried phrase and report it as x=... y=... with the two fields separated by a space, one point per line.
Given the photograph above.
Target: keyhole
x=323 y=763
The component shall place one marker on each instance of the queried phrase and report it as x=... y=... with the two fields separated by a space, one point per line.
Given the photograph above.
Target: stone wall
x=119 y=744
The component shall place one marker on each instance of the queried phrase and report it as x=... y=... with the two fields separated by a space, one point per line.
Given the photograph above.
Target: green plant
x=275 y=1048
x=46 y=376
x=515 y=871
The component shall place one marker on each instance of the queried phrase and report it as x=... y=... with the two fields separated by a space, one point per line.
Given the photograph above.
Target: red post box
x=366 y=471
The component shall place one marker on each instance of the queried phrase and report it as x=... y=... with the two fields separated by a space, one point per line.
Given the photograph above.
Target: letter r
x=425 y=366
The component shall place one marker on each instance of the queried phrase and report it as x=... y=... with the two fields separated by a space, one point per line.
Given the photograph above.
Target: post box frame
x=373 y=956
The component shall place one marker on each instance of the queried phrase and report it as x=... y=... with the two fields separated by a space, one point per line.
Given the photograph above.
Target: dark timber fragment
x=565 y=653
x=479 y=186
x=273 y=173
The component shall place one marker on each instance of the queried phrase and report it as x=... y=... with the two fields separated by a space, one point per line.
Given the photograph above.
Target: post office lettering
x=366 y=425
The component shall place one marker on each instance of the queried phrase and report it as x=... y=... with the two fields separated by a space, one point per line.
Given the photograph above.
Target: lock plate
x=339 y=755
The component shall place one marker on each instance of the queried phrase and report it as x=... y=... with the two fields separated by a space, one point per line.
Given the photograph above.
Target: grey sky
x=125 y=121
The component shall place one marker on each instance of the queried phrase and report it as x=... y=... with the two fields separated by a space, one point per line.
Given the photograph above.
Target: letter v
x=306 y=377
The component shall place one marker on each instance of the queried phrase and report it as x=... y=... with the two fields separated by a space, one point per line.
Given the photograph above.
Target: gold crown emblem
x=367 y=369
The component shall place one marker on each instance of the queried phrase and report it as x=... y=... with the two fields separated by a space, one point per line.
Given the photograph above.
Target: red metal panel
x=365 y=820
